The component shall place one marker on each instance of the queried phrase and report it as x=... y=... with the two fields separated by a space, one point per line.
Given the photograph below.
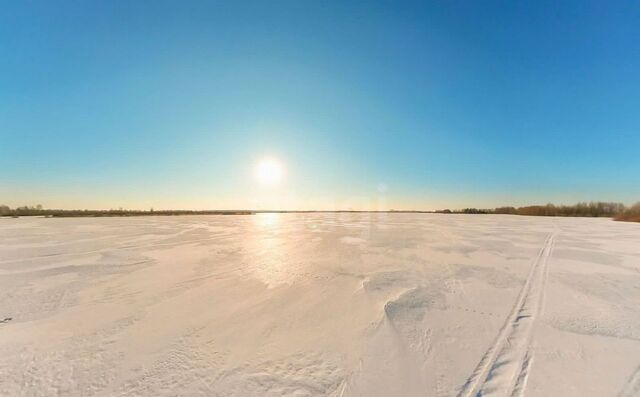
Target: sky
x=366 y=105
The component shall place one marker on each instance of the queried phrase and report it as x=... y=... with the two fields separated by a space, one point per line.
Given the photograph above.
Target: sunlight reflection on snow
x=268 y=257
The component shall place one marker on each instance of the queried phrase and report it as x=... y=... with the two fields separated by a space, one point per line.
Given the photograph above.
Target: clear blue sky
x=371 y=105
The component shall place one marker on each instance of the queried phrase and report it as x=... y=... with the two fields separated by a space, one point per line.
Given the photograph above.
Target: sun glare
x=269 y=171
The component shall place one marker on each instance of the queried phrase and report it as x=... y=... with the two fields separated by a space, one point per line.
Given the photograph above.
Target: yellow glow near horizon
x=269 y=172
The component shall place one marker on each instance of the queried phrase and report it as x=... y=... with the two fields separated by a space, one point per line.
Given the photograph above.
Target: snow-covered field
x=320 y=304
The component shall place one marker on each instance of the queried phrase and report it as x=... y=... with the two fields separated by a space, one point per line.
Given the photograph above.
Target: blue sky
x=369 y=105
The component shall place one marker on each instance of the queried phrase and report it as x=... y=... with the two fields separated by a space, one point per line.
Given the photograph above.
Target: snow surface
x=320 y=304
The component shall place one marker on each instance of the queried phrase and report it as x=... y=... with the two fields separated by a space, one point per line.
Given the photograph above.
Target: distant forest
x=618 y=211
x=39 y=211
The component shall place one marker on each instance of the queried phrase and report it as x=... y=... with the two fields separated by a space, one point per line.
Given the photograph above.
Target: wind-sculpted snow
x=319 y=305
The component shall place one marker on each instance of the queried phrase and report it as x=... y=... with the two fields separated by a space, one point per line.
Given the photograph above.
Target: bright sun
x=269 y=171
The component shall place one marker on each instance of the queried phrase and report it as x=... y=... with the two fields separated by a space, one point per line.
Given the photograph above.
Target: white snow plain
x=320 y=305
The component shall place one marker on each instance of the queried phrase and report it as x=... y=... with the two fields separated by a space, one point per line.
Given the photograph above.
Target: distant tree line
x=631 y=214
x=39 y=211
x=618 y=211
x=465 y=211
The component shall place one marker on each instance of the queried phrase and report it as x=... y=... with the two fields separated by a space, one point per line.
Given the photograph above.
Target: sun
x=269 y=172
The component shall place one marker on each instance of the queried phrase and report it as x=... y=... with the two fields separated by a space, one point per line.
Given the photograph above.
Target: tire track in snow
x=632 y=388
x=504 y=368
